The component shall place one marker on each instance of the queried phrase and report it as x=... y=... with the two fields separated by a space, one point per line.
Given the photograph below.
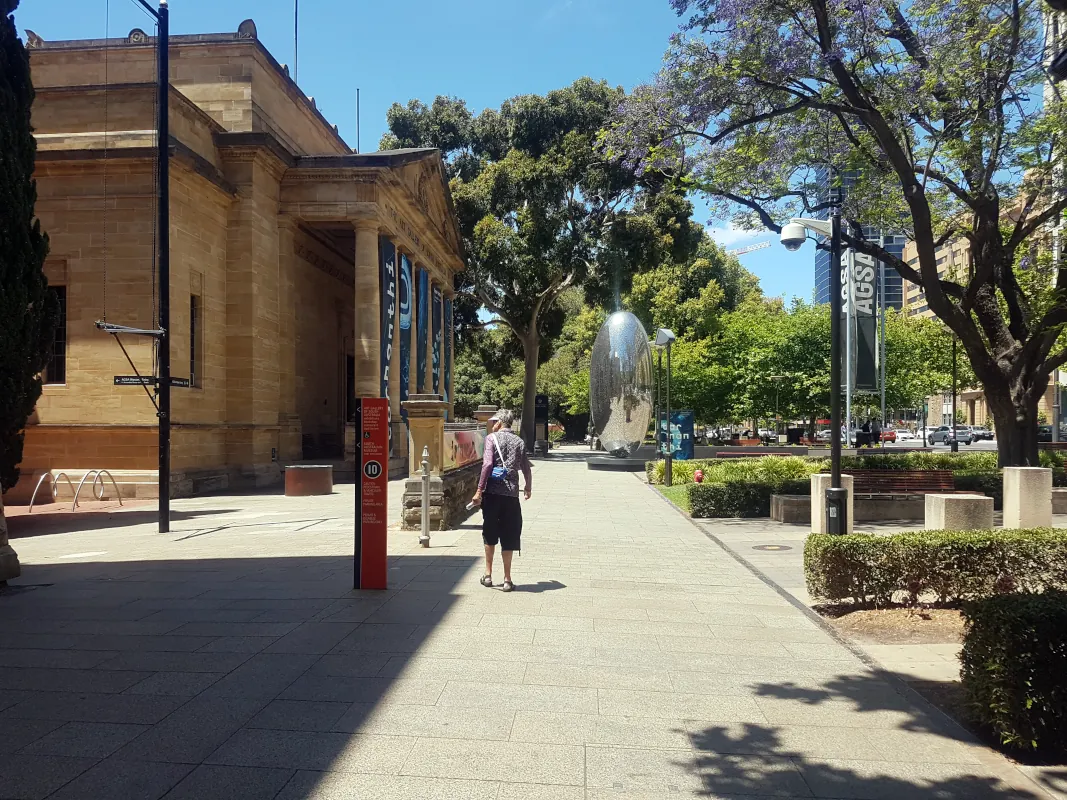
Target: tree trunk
x=9 y=560
x=531 y=348
x=1015 y=421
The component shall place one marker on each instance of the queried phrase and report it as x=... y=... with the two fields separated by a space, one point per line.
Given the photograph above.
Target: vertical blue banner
x=406 y=295
x=421 y=328
x=436 y=368
x=448 y=350
x=387 y=259
x=681 y=439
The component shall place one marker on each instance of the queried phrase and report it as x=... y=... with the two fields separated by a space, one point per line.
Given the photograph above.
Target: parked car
x=889 y=435
x=904 y=435
x=944 y=435
x=823 y=436
x=980 y=432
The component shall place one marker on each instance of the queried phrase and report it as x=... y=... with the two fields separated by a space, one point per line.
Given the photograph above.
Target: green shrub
x=721 y=470
x=739 y=498
x=947 y=565
x=1014 y=660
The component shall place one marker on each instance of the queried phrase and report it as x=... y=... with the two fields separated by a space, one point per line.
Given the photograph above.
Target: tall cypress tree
x=27 y=307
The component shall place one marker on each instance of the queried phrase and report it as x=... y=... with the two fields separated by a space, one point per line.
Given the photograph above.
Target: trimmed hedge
x=947 y=565
x=739 y=498
x=1014 y=660
x=721 y=470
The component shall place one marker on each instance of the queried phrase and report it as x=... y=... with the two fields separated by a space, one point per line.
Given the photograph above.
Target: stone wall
x=449 y=495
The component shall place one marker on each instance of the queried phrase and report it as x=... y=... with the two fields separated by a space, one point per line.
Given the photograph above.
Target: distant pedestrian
x=498 y=494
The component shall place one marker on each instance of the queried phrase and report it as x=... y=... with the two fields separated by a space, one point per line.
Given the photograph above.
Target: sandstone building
x=303 y=275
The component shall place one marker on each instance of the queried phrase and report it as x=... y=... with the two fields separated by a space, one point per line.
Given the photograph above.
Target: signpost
x=372 y=493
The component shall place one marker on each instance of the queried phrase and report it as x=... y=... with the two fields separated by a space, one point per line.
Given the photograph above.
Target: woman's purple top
x=504 y=448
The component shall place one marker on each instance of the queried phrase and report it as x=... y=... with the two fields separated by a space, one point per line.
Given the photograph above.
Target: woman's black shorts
x=501 y=521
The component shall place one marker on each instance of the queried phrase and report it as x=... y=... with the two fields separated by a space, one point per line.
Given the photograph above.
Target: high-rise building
x=894 y=285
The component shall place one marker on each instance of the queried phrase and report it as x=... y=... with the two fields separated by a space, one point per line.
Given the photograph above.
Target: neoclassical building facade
x=303 y=275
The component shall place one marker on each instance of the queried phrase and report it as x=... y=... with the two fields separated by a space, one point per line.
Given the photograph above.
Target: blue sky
x=481 y=50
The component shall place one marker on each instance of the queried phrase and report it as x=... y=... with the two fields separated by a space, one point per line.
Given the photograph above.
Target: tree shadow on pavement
x=252 y=677
x=852 y=737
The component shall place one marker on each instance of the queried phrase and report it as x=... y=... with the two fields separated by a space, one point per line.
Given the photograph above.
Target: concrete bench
x=306 y=480
x=958 y=512
x=792 y=508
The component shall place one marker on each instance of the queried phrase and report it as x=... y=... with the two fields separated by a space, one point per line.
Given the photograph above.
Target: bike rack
x=97 y=486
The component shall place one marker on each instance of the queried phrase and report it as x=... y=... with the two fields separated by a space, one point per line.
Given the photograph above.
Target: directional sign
x=149 y=380
x=372 y=493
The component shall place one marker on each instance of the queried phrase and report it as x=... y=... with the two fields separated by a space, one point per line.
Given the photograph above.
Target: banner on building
x=447 y=388
x=405 y=297
x=859 y=311
x=436 y=366
x=422 y=325
x=387 y=258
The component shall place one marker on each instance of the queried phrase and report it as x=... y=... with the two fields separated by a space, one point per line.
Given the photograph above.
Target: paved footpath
x=637 y=659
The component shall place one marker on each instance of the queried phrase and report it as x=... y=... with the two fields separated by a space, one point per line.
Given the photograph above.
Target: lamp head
x=664 y=337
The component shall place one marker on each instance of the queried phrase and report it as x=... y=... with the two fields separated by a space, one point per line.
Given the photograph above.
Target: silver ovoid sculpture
x=620 y=383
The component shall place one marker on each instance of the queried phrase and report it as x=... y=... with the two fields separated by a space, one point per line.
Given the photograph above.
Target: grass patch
x=677 y=494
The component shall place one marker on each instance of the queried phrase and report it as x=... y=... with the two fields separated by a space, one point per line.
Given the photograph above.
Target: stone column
x=9 y=560
x=368 y=310
x=413 y=352
x=1027 y=497
x=426 y=428
x=820 y=482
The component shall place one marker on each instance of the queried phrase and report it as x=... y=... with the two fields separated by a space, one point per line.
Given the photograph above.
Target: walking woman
x=498 y=494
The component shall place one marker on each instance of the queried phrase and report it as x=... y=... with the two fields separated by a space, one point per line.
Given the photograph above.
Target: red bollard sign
x=372 y=492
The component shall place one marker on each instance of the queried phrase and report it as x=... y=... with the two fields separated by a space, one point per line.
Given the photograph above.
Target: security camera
x=793 y=236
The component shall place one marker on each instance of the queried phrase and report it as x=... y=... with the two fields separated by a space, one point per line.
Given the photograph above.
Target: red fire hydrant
x=698 y=476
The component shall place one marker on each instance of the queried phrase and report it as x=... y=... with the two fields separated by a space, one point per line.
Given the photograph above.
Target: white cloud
x=729 y=234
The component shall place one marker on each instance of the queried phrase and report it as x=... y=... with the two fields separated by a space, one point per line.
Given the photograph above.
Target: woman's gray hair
x=505 y=418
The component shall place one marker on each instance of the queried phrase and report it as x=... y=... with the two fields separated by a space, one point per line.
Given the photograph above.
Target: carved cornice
x=323 y=264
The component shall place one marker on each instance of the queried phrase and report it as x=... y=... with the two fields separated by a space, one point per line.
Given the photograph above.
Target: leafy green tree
x=541 y=210
x=27 y=307
x=927 y=109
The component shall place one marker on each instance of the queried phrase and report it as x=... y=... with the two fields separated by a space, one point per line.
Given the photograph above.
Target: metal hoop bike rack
x=97 y=486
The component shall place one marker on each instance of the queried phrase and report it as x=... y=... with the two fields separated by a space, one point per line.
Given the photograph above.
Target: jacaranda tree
x=932 y=111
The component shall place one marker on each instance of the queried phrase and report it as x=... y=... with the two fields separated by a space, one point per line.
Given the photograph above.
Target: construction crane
x=740 y=251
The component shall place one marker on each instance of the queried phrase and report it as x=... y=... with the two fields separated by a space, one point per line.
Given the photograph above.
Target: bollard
x=424 y=537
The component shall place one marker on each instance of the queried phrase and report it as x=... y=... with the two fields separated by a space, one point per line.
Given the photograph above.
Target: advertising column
x=372 y=493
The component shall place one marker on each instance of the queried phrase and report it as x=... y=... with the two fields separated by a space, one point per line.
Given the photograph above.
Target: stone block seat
x=308 y=480
x=958 y=512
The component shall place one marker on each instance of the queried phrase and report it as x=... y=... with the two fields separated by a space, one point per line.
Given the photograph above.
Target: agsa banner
x=387 y=258
x=859 y=310
x=448 y=350
x=436 y=368
x=421 y=327
x=406 y=295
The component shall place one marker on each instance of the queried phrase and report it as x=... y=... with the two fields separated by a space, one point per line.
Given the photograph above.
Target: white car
x=904 y=435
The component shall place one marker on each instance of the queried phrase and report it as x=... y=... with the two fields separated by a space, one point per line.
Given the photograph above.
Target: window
x=56 y=372
x=196 y=347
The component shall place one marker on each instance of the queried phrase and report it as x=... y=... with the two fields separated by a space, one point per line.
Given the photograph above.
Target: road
x=985 y=444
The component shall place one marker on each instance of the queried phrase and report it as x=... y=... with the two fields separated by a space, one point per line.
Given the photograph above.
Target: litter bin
x=836 y=511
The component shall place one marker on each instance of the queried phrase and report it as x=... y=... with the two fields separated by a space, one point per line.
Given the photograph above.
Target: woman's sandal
x=487 y=580
x=507 y=586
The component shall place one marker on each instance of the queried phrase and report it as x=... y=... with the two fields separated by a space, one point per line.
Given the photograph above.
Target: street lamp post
x=665 y=338
x=777 y=421
x=794 y=234
x=952 y=425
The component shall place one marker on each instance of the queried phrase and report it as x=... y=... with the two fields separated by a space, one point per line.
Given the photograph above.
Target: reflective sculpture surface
x=620 y=383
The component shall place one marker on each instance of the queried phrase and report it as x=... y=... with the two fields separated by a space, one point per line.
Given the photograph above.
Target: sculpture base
x=617 y=464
